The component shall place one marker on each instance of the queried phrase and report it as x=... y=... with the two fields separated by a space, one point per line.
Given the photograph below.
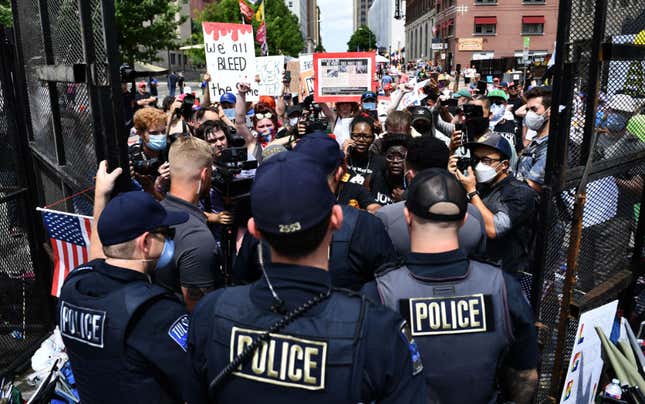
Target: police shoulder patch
x=415 y=355
x=178 y=331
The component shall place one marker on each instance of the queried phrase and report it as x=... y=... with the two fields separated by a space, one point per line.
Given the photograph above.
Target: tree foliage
x=283 y=33
x=362 y=40
x=146 y=27
x=5 y=13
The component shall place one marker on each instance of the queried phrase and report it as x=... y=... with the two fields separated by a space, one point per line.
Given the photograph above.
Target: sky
x=335 y=24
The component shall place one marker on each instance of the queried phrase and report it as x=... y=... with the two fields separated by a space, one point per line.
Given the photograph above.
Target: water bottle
x=613 y=390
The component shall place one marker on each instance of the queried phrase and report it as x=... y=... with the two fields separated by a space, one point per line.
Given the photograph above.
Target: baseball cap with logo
x=421 y=113
x=435 y=194
x=131 y=214
x=290 y=194
x=494 y=141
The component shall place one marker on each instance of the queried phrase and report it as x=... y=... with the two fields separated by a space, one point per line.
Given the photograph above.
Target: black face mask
x=477 y=126
x=422 y=127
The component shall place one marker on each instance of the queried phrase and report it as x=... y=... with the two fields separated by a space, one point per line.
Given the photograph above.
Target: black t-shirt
x=354 y=195
x=382 y=189
x=361 y=169
x=138 y=97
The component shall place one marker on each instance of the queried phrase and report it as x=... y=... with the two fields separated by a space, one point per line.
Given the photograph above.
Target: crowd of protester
x=235 y=167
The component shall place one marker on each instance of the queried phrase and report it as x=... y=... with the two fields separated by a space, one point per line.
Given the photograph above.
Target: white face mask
x=293 y=121
x=535 y=121
x=484 y=173
x=497 y=112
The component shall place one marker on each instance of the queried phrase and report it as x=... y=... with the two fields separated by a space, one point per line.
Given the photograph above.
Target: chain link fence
x=601 y=99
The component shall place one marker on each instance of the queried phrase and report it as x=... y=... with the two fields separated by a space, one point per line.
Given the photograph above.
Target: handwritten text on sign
x=230 y=57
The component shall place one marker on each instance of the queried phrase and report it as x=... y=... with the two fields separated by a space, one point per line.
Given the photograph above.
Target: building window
x=533 y=25
x=485 y=2
x=291 y=4
x=533 y=1
x=484 y=26
x=172 y=58
x=451 y=28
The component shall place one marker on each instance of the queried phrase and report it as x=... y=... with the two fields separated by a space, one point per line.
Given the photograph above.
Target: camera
x=185 y=111
x=146 y=167
x=232 y=162
x=463 y=163
x=127 y=73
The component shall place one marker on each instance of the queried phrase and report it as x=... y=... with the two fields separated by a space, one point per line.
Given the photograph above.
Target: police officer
x=125 y=337
x=358 y=248
x=290 y=338
x=464 y=315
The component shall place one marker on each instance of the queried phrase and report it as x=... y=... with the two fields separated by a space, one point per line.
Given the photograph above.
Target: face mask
x=369 y=106
x=534 y=121
x=156 y=142
x=166 y=254
x=422 y=127
x=477 y=126
x=266 y=136
x=484 y=173
x=616 y=122
x=230 y=113
x=293 y=121
x=497 y=112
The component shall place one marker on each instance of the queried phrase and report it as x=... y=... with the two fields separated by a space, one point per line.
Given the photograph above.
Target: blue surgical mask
x=166 y=254
x=369 y=106
x=156 y=142
x=230 y=113
x=616 y=122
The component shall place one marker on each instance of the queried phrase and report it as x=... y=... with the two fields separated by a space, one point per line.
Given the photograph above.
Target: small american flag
x=69 y=235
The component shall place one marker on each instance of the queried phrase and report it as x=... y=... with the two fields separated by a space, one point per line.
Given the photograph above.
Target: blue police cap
x=290 y=194
x=494 y=141
x=323 y=149
x=228 y=97
x=131 y=214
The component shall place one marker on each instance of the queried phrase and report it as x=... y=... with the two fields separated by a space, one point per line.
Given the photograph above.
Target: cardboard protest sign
x=270 y=70
x=343 y=76
x=230 y=58
x=293 y=66
x=306 y=76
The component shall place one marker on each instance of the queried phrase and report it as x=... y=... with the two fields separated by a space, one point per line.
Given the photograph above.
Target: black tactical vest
x=94 y=331
x=309 y=361
x=343 y=274
x=461 y=326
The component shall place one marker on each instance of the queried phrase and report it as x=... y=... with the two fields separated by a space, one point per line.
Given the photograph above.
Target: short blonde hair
x=188 y=156
x=145 y=118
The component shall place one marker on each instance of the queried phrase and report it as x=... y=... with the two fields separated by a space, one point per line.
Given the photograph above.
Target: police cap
x=435 y=194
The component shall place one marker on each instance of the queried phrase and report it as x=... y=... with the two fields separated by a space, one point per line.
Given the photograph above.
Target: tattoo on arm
x=520 y=385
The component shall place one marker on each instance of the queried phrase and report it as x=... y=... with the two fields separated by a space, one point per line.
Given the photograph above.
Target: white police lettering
x=283 y=360
x=289 y=228
x=82 y=324
x=448 y=315
x=179 y=331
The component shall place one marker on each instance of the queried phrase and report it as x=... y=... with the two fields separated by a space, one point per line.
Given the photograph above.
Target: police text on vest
x=447 y=315
x=283 y=360
x=82 y=324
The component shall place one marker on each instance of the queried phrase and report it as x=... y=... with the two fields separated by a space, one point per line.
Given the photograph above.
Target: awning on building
x=533 y=20
x=149 y=68
x=485 y=20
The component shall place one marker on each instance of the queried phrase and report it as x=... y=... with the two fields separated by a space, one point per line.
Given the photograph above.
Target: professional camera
x=127 y=73
x=313 y=119
x=140 y=164
x=185 y=111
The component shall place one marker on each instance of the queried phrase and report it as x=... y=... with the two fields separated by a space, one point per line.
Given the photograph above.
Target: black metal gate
x=60 y=113
x=600 y=59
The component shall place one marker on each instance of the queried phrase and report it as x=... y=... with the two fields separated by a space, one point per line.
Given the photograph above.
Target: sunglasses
x=261 y=116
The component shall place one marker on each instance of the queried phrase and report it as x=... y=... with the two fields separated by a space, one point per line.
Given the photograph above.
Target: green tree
x=146 y=27
x=283 y=33
x=5 y=13
x=362 y=40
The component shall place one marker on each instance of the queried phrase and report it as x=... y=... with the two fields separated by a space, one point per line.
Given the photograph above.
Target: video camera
x=313 y=120
x=185 y=111
x=232 y=162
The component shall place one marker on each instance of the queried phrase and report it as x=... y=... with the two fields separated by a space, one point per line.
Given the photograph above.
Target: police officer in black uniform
x=289 y=337
x=358 y=248
x=126 y=337
x=468 y=318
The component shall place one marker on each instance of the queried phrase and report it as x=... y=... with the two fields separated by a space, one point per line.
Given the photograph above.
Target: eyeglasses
x=395 y=157
x=361 y=136
x=266 y=115
x=486 y=160
x=167 y=232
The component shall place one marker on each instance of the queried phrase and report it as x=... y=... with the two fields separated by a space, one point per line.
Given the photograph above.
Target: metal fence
x=599 y=93
x=60 y=113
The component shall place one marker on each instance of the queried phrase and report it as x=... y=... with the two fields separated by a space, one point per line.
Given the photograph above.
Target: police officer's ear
x=336 y=218
x=250 y=226
x=408 y=217
x=144 y=243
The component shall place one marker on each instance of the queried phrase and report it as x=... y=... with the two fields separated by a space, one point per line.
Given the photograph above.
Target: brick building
x=481 y=29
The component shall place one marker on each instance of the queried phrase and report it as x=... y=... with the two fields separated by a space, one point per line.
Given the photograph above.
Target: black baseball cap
x=294 y=109
x=321 y=148
x=290 y=194
x=131 y=214
x=421 y=113
x=435 y=194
